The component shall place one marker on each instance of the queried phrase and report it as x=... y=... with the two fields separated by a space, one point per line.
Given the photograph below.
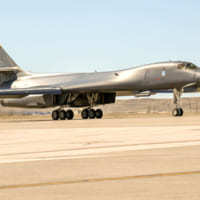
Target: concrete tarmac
x=138 y=157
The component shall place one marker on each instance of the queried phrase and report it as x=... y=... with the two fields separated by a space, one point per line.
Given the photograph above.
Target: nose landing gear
x=177 y=111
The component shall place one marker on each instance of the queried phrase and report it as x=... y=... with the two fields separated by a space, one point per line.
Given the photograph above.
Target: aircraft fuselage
x=156 y=76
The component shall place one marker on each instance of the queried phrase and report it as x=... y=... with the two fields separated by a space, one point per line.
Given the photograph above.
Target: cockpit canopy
x=188 y=66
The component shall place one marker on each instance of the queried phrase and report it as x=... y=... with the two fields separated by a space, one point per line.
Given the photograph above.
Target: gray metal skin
x=22 y=89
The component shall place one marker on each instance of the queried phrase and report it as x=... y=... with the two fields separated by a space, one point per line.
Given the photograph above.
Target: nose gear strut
x=177 y=111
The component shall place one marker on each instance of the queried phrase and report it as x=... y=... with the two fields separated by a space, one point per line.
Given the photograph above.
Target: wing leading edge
x=30 y=91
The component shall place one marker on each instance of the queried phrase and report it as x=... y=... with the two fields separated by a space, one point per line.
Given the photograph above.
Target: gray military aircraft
x=23 y=89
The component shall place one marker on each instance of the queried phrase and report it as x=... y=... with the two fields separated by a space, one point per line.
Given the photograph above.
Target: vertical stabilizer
x=5 y=59
x=8 y=68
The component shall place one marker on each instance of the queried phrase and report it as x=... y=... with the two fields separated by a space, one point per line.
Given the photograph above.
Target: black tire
x=99 y=113
x=69 y=114
x=84 y=114
x=180 y=112
x=175 y=112
x=62 y=115
x=91 y=114
x=55 y=115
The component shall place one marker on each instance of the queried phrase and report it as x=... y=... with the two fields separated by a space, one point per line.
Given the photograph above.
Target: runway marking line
x=100 y=179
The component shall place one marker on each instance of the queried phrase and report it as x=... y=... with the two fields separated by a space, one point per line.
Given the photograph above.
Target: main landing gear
x=91 y=113
x=177 y=111
x=62 y=114
x=69 y=114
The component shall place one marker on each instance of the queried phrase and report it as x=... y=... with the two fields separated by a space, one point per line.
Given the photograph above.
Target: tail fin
x=8 y=68
x=5 y=59
x=6 y=62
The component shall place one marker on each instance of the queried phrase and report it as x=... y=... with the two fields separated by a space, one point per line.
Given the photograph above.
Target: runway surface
x=141 y=157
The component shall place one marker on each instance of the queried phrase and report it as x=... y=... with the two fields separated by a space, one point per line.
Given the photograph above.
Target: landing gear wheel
x=55 y=115
x=84 y=114
x=91 y=114
x=180 y=110
x=69 y=114
x=62 y=115
x=175 y=112
x=99 y=113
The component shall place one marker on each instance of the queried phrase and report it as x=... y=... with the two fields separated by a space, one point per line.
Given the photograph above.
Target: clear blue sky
x=84 y=35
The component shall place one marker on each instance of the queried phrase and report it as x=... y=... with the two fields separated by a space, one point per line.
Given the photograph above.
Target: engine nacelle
x=31 y=101
x=46 y=101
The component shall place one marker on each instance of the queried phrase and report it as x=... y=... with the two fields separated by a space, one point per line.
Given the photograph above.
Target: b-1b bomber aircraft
x=19 y=88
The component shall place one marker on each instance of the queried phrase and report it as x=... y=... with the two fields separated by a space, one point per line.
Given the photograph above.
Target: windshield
x=189 y=66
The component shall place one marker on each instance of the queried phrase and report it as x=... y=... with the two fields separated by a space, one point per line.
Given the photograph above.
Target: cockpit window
x=190 y=66
x=181 y=66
